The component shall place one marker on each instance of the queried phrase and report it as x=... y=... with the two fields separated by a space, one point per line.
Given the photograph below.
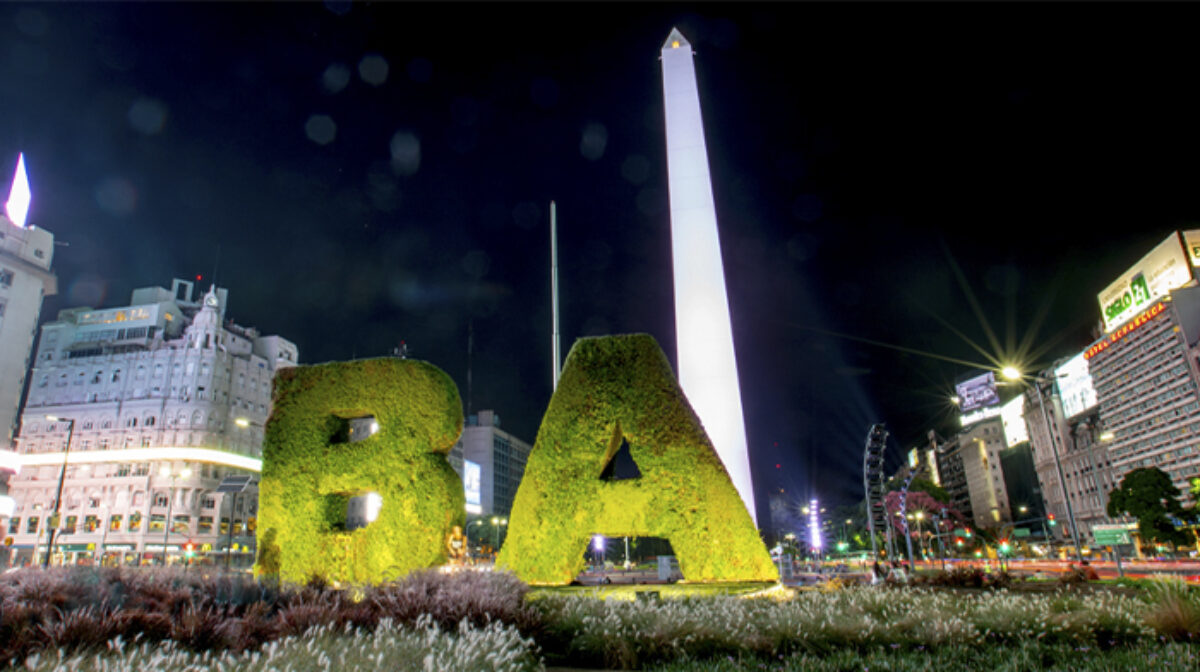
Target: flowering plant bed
x=167 y=619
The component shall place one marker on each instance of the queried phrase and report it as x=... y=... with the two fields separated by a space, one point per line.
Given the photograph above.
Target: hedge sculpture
x=310 y=471
x=614 y=388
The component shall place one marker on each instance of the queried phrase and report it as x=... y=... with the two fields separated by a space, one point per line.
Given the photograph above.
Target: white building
x=25 y=279
x=500 y=461
x=156 y=402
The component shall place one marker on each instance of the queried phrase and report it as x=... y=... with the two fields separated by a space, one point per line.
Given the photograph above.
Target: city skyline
x=363 y=175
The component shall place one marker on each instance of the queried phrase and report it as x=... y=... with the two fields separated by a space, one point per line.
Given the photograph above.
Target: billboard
x=1075 y=386
x=472 y=478
x=1191 y=244
x=977 y=392
x=1012 y=416
x=1166 y=267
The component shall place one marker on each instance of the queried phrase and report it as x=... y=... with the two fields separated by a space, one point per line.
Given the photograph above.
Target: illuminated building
x=167 y=399
x=1073 y=414
x=704 y=338
x=1146 y=383
x=499 y=457
x=1129 y=400
x=980 y=446
x=25 y=279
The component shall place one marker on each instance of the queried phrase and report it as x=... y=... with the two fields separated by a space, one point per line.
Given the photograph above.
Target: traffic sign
x=1109 y=536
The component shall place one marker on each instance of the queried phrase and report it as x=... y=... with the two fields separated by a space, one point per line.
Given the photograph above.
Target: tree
x=1148 y=495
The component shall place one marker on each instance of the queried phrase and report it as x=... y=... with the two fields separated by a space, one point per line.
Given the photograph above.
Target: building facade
x=500 y=460
x=1146 y=379
x=1087 y=469
x=25 y=279
x=142 y=411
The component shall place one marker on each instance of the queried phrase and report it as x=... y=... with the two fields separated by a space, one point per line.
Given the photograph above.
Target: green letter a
x=308 y=475
x=614 y=388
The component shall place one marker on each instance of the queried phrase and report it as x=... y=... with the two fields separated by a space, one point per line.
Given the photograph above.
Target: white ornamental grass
x=423 y=648
x=631 y=633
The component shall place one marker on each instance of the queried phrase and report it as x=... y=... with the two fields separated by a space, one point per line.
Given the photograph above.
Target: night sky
x=361 y=174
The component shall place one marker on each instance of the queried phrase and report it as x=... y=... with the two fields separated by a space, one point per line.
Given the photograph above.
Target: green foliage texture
x=309 y=471
x=614 y=388
x=1148 y=495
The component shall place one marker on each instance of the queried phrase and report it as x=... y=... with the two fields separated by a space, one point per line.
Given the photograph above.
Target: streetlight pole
x=166 y=471
x=58 y=497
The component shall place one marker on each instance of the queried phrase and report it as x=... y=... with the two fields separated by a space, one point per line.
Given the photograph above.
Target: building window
x=31 y=525
x=114 y=523
x=6 y=277
x=91 y=523
x=122 y=470
x=208 y=502
x=116 y=375
x=181 y=523
x=161 y=499
x=135 y=521
x=69 y=528
x=14 y=525
x=157 y=522
x=206 y=524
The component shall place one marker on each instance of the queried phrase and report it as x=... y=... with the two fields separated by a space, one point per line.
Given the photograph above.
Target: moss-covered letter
x=614 y=388
x=310 y=470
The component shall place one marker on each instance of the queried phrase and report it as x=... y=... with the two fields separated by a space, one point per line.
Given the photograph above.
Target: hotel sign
x=1166 y=267
x=1102 y=344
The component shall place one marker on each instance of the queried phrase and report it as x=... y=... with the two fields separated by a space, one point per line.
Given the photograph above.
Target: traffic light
x=1004 y=547
x=968 y=531
x=959 y=541
x=189 y=550
x=1051 y=520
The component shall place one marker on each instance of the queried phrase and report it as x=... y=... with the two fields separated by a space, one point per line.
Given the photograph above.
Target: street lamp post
x=167 y=473
x=1013 y=374
x=58 y=497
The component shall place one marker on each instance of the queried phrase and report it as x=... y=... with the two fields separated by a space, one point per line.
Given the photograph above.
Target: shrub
x=614 y=389
x=308 y=475
x=1174 y=609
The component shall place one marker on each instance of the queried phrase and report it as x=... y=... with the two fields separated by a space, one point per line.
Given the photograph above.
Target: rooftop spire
x=19 y=196
x=676 y=40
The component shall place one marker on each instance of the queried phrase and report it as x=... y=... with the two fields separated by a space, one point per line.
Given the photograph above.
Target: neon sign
x=1129 y=326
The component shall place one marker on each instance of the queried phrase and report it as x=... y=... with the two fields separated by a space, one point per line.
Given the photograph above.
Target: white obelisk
x=704 y=338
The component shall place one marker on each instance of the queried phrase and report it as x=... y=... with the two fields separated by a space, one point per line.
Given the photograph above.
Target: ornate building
x=142 y=411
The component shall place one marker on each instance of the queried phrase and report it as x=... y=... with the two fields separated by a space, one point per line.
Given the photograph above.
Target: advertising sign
x=1191 y=243
x=1075 y=386
x=472 y=477
x=977 y=392
x=914 y=459
x=967 y=419
x=1012 y=416
x=1165 y=268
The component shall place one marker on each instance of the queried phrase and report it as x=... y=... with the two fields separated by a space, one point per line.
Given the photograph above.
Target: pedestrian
x=1089 y=572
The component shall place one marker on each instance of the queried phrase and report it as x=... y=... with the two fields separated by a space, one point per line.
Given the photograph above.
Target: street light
x=1011 y=373
x=166 y=472
x=497 y=523
x=54 y=518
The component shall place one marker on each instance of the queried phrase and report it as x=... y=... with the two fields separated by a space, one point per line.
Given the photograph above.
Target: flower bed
x=168 y=619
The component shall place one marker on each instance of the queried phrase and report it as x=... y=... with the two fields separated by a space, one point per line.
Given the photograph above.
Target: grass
x=1019 y=657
